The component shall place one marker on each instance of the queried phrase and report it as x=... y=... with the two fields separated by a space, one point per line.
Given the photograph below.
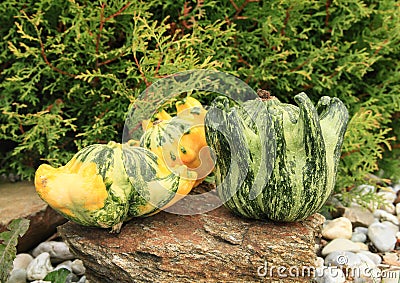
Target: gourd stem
x=264 y=94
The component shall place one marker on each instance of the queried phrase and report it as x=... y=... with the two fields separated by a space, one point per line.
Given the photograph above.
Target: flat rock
x=20 y=200
x=340 y=245
x=212 y=247
x=359 y=216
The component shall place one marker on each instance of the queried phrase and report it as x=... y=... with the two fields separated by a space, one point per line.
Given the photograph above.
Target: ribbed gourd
x=275 y=160
x=180 y=140
x=104 y=185
x=92 y=189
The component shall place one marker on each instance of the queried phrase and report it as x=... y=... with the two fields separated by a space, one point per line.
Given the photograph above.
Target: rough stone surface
x=212 y=247
x=20 y=200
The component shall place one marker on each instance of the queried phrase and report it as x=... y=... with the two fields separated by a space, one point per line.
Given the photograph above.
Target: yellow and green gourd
x=180 y=140
x=92 y=189
x=104 y=185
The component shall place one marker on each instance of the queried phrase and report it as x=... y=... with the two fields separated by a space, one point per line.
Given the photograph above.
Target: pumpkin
x=275 y=160
x=96 y=189
x=180 y=140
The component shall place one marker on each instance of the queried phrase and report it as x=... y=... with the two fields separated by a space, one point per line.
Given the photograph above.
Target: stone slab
x=20 y=200
x=213 y=247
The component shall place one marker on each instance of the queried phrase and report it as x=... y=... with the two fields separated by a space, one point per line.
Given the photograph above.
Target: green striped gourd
x=92 y=189
x=155 y=186
x=180 y=140
x=275 y=160
x=97 y=188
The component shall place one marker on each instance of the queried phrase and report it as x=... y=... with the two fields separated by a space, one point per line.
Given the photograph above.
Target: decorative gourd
x=92 y=189
x=180 y=140
x=155 y=186
x=275 y=160
x=96 y=188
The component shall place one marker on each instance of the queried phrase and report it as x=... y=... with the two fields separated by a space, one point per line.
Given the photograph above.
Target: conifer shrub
x=69 y=69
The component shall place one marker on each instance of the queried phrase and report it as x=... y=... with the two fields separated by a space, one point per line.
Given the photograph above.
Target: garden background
x=70 y=69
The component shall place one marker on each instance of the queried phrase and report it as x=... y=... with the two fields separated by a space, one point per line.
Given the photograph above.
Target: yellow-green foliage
x=69 y=69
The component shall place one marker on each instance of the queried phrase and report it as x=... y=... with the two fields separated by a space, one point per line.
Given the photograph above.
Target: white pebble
x=390 y=226
x=358 y=237
x=58 y=251
x=329 y=275
x=65 y=264
x=342 y=259
x=39 y=267
x=362 y=246
x=363 y=230
x=338 y=228
x=319 y=261
x=376 y=259
x=384 y=239
x=22 y=260
x=340 y=245
x=17 y=275
x=77 y=267
x=390 y=257
x=383 y=215
x=364 y=258
x=364 y=189
x=83 y=280
x=388 y=197
x=398 y=211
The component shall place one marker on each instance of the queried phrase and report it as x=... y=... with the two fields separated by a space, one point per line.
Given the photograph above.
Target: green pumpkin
x=275 y=160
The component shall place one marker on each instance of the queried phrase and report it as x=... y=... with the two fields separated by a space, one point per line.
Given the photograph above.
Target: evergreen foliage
x=69 y=69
